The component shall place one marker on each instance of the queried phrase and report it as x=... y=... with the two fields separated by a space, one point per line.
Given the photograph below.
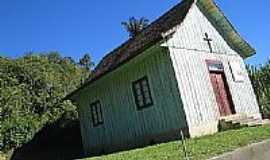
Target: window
x=142 y=93
x=96 y=111
x=214 y=65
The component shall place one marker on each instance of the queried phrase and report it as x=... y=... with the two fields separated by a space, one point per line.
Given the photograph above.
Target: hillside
x=31 y=91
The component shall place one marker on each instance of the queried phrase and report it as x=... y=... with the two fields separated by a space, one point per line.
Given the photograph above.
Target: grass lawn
x=198 y=148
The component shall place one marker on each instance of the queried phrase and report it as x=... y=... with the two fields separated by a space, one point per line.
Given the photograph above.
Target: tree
x=54 y=57
x=69 y=59
x=86 y=62
x=31 y=91
x=135 y=26
x=260 y=77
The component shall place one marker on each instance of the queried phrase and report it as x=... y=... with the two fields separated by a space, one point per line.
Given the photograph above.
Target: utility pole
x=184 y=146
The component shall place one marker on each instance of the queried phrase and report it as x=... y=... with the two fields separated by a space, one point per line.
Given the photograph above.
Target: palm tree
x=135 y=26
x=86 y=62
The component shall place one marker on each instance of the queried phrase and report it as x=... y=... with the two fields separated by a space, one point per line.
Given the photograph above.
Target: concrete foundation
x=204 y=129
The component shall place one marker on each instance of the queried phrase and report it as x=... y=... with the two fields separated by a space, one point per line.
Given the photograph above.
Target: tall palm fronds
x=135 y=26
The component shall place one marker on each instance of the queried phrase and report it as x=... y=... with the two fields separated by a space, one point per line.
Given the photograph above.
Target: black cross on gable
x=209 y=40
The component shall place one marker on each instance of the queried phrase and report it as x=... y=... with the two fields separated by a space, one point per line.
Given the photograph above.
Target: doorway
x=221 y=88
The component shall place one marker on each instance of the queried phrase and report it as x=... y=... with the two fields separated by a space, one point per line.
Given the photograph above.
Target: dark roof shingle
x=147 y=37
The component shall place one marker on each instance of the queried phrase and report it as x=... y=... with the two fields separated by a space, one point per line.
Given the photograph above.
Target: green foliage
x=198 y=148
x=260 y=77
x=31 y=92
x=86 y=61
x=135 y=26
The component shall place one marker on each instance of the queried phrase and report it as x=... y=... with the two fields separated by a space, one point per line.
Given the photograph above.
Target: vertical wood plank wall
x=123 y=124
x=188 y=53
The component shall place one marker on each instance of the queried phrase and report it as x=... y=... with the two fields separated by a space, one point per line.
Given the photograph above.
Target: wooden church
x=185 y=71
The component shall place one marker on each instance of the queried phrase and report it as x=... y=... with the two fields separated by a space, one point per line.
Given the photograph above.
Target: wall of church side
x=189 y=52
x=124 y=126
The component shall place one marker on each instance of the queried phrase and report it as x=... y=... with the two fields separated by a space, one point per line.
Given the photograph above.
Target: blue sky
x=76 y=27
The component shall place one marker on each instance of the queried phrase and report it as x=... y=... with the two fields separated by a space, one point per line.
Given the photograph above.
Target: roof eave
x=72 y=95
x=225 y=28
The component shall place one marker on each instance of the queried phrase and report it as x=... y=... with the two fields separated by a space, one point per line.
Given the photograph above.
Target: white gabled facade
x=189 y=52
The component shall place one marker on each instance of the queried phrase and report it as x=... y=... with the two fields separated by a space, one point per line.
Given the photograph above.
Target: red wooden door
x=222 y=93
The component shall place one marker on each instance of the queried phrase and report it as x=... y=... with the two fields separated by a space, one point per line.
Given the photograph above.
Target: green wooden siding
x=122 y=122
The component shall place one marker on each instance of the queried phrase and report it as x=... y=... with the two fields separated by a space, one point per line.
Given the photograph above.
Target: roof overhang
x=225 y=28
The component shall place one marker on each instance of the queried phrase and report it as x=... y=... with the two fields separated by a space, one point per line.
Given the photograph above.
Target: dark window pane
x=100 y=114
x=96 y=112
x=144 y=84
x=139 y=92
x=137 y=86
x=142 y=93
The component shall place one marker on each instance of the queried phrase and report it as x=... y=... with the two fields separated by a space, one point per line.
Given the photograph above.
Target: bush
x=31 y=92
x=260 y=77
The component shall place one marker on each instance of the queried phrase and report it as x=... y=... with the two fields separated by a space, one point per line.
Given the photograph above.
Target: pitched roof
x=146 y=38
x=153 y=34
